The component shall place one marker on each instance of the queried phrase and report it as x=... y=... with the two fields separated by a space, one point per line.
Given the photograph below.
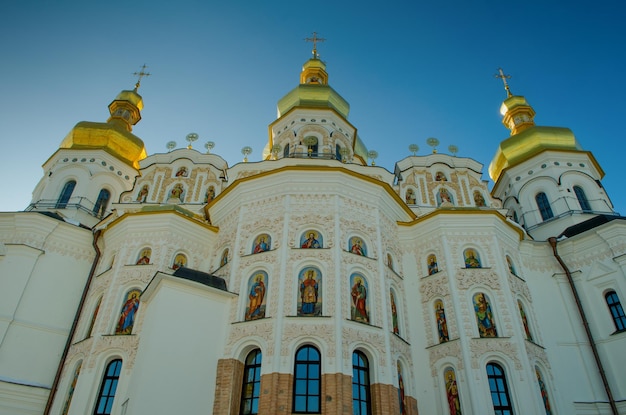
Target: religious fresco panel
x=359 y=295
x=452 y=391
x=442 y=324
x=262 y=243
x=357 y=246
x=484 y=316
x=126 y=319
x=311 y=239
x=310 y=292
x=257 y=289
x=472 y=259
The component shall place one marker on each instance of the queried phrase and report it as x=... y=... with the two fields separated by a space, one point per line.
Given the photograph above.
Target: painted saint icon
x=143 y=194
x=472 y=259
x=452 y=391
x=509 y=263
x=177 y=192
x=310 y=299
x=182 y=172
x=179 y=261
x=394 y=313
x=144 y=256
x=127 y=315
x=224 y=259
x=442 y=325
x=522 y=313
x=358 y=293
x=256 y=296
x=484 y=316
x=433 y=268
x=401 y=393
x=261 y=244
x=209 y=195
x=311 y=239
x=544 y=392
x=357 y=246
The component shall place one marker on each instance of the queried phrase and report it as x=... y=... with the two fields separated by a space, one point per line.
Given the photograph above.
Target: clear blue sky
x=410 y=70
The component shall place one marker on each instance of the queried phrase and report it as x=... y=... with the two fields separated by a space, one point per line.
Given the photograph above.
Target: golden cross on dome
x=140 y=74
x=504 y=77
x=314 y=39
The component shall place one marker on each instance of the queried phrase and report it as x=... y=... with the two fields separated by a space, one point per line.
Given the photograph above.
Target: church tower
x=543 y=176
x=94 y=164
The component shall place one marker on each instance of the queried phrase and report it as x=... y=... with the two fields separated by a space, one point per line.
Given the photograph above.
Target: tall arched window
x=286 y=150
x=544 y=206
x=499 y=390
x=582 y=199
x=102 y=202
x=104 y=403
x=307 y=379
x=338 y=152
x=361 y=397
x=251 y=389
x=617 y=312
x=66 y=193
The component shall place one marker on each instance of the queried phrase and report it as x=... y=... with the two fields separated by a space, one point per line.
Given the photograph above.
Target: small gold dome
x=526 y=144
x=109 y=137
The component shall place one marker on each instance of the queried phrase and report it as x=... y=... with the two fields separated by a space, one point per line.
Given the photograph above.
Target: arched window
x=104 y=403
x=544 y=206
x=617 y=312
x=394 y=313
x=582 y=199
x=338 y=152
x=251 y=389
x=307 y=379
x=499 y=390
x=66 y=193
x=361 y=397
x=286 y=150
x=102 y=202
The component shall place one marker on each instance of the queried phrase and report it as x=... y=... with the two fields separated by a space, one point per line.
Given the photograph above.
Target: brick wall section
x=276 y=392
x=385 y=401
x=228 y=387
x=336 y=394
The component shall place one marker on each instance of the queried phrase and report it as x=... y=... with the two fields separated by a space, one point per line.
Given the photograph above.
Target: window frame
x=252 y=367
x=66 y=194
x=616 y=310
x=499 y=386
x=362 y=385
x=101 y=202
x=307 y=358
x=543 y=204
x=582 y=199
x=110 y=380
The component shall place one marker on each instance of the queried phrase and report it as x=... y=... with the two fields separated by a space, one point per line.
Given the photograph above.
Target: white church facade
x=311 y=282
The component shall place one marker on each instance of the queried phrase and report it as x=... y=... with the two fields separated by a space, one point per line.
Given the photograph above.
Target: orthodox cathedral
x=313 y=282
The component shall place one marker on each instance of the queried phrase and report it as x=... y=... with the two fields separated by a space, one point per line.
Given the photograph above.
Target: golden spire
x=504 y=77
x=142 y=72
x=314 y=39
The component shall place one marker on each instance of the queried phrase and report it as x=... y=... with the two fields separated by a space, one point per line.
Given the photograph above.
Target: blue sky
x=410 y=70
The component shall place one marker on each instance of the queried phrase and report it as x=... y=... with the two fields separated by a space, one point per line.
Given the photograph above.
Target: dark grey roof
x=590 y=224
x=201 y=277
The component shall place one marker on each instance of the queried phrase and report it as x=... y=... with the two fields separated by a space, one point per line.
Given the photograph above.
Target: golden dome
x=528 y=143
x=313 y=91
x=109 y=137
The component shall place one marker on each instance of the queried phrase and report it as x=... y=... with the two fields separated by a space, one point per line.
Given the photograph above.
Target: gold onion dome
x=313 y=91
x=527 y=139
x=115 y=135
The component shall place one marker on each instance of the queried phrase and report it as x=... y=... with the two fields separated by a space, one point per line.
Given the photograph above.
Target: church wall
x=182 y=338
x=38 y=300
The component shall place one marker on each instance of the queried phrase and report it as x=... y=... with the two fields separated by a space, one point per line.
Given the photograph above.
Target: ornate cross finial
x=504 y=77
x=140 y=74
x=314 y=39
